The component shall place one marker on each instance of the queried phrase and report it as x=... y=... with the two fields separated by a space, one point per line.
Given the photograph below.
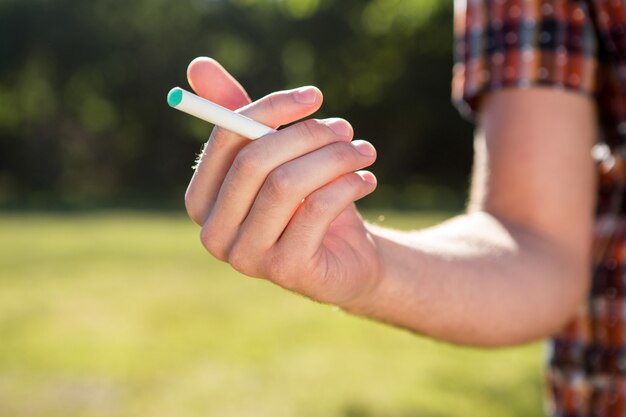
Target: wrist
x=372 y=300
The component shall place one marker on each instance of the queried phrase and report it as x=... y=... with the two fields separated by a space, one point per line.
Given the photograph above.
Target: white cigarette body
x=213 y=113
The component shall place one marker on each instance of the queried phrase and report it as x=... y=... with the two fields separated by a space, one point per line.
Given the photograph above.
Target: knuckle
x=223 y=140
x=317 y=205
x=219 y=139
x=240 y=260
x=279 y=182
x=246 y=156
x=197 y=206
x=245 y=161
x=235 y=258
x=310 y=128
x=281 y=270
x=193 y=210
x=341 y=152
x=211 y=243
x=274 y=103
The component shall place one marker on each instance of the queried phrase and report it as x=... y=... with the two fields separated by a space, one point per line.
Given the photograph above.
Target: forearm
x=475 y=280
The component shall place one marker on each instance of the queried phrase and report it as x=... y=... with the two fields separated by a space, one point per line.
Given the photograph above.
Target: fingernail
x=367 y=177
x=339 y=126
x=365 y=148
x=306 y=95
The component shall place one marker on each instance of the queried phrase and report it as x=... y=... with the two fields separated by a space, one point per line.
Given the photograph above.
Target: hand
x=281 y=207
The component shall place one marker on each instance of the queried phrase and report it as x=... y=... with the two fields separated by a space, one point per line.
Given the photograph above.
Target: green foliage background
x=125 y=314
x=83 y=118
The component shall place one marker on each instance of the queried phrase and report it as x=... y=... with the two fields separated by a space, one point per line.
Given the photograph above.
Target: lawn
x=123 y=314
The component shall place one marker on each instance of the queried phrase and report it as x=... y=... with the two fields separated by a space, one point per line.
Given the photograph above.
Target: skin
x=513 y=268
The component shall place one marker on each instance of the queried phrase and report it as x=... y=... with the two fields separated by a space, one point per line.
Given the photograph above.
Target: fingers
x=284 y=190
x=252 y=166
x=284 y=107
x=289 y=184
x=309 y=225
x=274 y=110
x=305 y=233
x=211 y=81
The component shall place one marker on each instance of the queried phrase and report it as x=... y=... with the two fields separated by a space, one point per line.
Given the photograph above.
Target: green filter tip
x=175 y=96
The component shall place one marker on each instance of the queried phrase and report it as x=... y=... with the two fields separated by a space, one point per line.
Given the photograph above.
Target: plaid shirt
x=577 y=45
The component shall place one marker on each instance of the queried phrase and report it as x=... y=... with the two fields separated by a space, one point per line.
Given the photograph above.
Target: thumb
x=211 y=81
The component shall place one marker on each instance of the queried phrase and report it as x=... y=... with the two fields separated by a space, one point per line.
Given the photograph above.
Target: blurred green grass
x=123 y=314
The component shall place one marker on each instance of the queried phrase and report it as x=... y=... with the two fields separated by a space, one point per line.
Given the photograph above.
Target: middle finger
x=252 y=166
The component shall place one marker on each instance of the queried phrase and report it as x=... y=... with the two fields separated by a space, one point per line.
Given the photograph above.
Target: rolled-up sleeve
x=521 y=43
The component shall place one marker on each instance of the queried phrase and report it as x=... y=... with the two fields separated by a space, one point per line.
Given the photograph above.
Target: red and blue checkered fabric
x=575 y=45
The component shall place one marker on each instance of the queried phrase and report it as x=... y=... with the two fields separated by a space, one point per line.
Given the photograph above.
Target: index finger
x=223 y=146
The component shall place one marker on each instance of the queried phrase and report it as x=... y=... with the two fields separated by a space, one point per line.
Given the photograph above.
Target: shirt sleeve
x=519 y=44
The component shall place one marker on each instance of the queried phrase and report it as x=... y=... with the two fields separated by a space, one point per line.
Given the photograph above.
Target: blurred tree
x=82 y=87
